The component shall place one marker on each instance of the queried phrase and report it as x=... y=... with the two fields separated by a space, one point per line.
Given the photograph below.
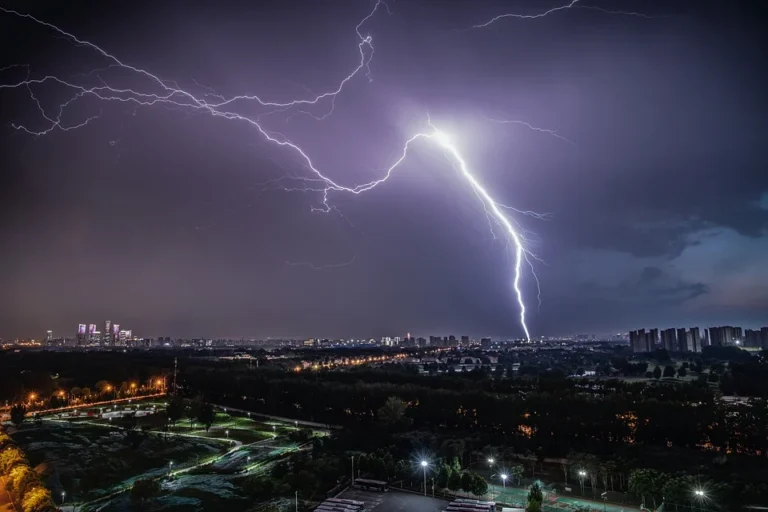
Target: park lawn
x=101 y=458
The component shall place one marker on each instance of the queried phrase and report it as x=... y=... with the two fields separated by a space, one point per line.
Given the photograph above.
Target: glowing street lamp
x=424 y=465
x=32 y=397
x=63 y=496
x=582 y=474
x=491 y=461
x=227 y=432
x=504 y=481
x=170 y=467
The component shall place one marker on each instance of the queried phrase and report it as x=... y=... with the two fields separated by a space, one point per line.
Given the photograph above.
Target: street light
x=227 y=432
x=170 y=467
x=424 y=465
x=582 y=474
x=63 y=495
x=491 y=461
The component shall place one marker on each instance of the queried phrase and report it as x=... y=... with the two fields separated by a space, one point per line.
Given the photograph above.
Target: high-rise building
x=653 y=339
x=705 y=339
x=49 y=337
x=107 y=339
x=465 y=341
x=91 y=331
x=723 y=336
x=764 y=337
x=115 y=334
x=669 y=340
x=752 y=339
x=695 y=343
x=81 y=330
x=638 y=340
x=682 y=340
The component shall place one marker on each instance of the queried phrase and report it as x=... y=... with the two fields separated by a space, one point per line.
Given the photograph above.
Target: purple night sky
x=171 y=221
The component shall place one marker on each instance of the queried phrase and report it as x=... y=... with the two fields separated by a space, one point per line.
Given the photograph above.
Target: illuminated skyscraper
x=81 y=330
x=107 y=339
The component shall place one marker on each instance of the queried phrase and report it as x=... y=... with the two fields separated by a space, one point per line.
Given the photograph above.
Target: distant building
x=107 y=338
x=485 y=342
x=653 y=339
x=465 y=340
x=115 y=334
x=638 y=340
x=669 y=340
x=49 y=337
x=695 y=342
x=752 y=339
x=724 y=336
x=81 y=330
x=764 y=337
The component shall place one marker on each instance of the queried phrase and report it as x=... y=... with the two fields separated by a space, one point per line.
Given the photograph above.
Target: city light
x=424 y=463
x=32 y=397
x=490 y=461
x=699 y=493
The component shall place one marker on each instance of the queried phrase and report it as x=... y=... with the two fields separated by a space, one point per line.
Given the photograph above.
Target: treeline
x=22 y=483
x=593 y=417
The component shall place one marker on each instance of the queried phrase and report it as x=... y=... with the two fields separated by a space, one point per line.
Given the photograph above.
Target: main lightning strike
x=173 y=96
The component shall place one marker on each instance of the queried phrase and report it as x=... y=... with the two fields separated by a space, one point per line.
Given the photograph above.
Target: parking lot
x=394 y=501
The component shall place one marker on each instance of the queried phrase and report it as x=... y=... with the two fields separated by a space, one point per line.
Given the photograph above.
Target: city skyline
x=656 y=208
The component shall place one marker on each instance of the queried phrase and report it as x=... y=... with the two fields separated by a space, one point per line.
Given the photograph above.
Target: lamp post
x=582 y=474
x=699 y=495
x=504 y=482
x=170 y=467
x=424 y=465
x=63 y=496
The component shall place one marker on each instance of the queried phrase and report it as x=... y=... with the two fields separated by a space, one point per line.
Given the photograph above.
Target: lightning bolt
x=573 y=4
x=169 y=94
x=315 y=266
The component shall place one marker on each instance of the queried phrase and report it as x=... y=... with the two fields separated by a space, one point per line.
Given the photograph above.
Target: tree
x=669 y=371
x=144 y=490
x=467 y=481
x=207 y=416
x=677 y=491
x=10 y=458
x=682 y=372
x=175 y=409
x=535 y=494
x=479 y=485
x=20 y=480
x=516 y=472
x=647 y=483
x=393 y=411
x=533 y=506
x=193 y=411
x=454 y=481
x=37 y=499
x=657 y=372
x=441 y=480
x=18 y=412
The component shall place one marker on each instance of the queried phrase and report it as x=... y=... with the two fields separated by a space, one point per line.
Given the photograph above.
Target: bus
x=376 y=485
x=359 y=504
